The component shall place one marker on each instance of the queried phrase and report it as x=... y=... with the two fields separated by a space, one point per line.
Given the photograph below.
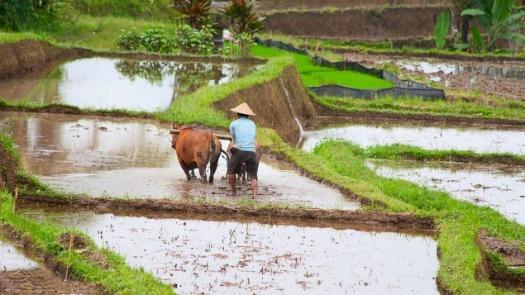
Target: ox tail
x=226 y=156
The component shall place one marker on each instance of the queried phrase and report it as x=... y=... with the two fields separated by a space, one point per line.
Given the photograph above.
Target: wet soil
x=134 y=158
x=158 y=209
x=514 y=259
x=500 y=187
x=20 y=275
x=132 y=84
x=370 y=24
x=8 y=168
x=499 y=78
x=269 y=5
x=198 y=256
x=436 y=138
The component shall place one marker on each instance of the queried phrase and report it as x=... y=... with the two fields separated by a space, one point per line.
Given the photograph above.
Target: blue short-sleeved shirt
x=243 y=131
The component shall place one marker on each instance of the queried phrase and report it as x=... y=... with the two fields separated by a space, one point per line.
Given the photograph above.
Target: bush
x=155 y=40
x=17 y=15
x=130 y=40
x=195 y=41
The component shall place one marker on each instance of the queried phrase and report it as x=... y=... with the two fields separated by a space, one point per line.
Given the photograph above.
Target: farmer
x=243 y=132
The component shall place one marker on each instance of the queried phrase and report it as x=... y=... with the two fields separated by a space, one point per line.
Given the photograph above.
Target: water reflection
x=11 y=259
x=243 y=257
x=110 y=83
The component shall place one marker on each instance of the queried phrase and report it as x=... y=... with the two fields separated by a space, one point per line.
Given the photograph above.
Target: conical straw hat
x=244 y=109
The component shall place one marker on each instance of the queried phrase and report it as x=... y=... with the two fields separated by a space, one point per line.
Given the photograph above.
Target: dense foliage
x=17 y=15
x=488 y=22
x=243 y=17
x=195 y=41
x=196 y=12
x=153 y=40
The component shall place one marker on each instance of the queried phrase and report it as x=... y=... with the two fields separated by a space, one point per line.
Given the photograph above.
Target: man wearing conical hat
x=243 y=131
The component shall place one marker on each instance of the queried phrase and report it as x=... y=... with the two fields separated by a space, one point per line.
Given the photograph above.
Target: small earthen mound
x=512 y=273
x=80 y=245
x=7 y=171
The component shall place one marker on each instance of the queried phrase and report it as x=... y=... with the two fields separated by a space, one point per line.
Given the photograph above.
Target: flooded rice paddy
x=134 y=158
x=436 y=137
x=500 y=78
x=118 y=83
x=499 y=187
x=243 y=257
x=11 y=259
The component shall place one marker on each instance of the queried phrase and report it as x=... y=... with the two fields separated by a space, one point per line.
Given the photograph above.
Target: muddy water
x=499 y=187
x=11 y=259
x=101 y=156
x=436 y=138
x=112 y=83
x=232 y=257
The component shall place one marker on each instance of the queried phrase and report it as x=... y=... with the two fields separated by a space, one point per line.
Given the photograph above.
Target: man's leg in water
x=232 y=179
x=254 y=187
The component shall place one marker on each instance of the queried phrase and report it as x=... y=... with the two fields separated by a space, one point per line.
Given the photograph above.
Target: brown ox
x=195 y=149
x=243 y=175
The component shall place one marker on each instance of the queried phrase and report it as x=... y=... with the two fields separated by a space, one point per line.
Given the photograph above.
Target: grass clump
x=503 y=109
x=459 y=221
x=401 y=151
x=313 y=75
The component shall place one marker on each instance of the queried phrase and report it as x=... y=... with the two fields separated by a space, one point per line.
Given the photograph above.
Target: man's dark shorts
x=249 y=158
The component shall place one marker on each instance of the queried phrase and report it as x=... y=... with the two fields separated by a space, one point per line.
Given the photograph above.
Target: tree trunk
x=465 y=28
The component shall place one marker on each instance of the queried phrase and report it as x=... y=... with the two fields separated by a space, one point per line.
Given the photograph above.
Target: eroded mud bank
x=497 y=186
x=22 y=275
x=122 y=157
x=225 y=257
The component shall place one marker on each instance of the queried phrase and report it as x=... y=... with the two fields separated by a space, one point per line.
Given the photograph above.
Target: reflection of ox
x=243 y=175
x=195 y=149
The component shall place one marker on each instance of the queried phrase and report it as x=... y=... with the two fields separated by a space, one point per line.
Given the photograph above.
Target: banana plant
x=499 y=21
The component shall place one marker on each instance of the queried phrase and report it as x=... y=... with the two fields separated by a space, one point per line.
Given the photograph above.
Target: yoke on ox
x=195 y=149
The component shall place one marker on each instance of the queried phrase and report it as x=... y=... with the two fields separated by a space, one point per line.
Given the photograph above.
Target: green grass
x=158 y=9
x=458 y=221
x=118 y=278
x=400 y=152
x=314 y=75
x=100 y=33
x=9 y=37
x=505 y=109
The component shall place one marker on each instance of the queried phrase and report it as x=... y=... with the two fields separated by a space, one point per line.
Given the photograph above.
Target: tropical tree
x=465 y=20
x=243 y=18
x=499 y=20
x=196 y=12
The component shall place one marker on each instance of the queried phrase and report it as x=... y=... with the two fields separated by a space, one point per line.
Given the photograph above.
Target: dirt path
x=40 y=281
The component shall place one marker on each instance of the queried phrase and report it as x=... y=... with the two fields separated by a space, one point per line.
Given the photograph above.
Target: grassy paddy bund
x=338 y=163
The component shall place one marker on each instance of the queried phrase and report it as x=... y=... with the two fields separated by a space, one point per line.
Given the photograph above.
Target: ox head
x=176 y=132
